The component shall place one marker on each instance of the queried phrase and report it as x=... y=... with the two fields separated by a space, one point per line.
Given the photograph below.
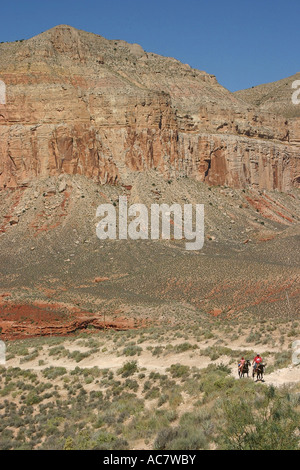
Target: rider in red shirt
x=257 y=360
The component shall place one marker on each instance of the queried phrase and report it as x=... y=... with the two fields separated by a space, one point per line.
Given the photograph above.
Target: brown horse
x=259 y=372
x=244 y=369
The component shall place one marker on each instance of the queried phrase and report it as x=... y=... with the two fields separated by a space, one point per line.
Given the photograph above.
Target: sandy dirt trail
x=280 y=377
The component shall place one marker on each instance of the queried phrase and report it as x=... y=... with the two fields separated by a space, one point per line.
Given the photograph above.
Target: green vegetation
x=176 y=403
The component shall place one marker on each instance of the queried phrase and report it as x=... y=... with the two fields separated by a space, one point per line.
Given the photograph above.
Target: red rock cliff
x=80 y=104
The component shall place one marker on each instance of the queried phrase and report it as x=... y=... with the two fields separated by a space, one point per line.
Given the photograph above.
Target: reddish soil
x=44 y=226
x=27 y=321
x=269 y=209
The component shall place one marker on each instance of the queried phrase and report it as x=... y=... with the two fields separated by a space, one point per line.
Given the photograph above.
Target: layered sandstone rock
x=77 y=103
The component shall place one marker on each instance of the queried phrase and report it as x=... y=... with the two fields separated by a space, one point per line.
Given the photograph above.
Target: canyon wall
x=78 y=103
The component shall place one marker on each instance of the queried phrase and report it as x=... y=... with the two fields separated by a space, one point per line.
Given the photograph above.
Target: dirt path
x=288 y=375
x=285 y=376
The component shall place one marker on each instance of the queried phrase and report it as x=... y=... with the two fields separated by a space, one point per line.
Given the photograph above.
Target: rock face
x=77 y=103
x=27 y=321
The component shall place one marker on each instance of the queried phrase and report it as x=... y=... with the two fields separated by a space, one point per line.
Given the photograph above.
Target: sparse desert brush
x=146 y=424
x=181 y=438
x=33 y=398
x=293 y=333
x=132 y=350
x=179 y=348
x=175 y=397
x=254 y=337
x=157 y=350
x=152 y=393
x=78 y=355
x=129 y=368
x=282 y=359
x=208 y=334
x=54 y=372
x=214 y=352
x=59 y=351
x=275 y=426
x=163 y=398
x=156 y=376
x=29 y=357
x=100 y=440
x=179 y=407
x=131 y=385
x=128 y=404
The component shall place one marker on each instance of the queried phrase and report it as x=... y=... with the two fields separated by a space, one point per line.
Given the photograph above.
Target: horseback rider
x=256 y=361
x=241 y=364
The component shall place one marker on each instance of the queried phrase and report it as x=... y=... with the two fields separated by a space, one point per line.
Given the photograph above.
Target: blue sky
x=243 y=42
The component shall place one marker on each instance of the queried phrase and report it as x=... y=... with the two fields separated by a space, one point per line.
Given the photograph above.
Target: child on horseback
x=241 y=364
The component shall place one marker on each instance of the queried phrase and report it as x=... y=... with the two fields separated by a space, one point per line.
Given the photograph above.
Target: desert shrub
x=127 y=404
x=7 y=444
x=215 y=381
x=162 y=399
x=114 y=444
x=179 y=348
x=189 y=440
x=99 y=422
x=33 y=398
x=132 y=350
x=273 y=427
x=282 y=359
x=101 y=440
x=7 y=389
x=214 y=352
x=146 y=425
x=208 y=335
x=175 y=397
x=157 y=350
x=29 y=357
x=152 y=393
x=154 y=375
x=58 y=351
x=292 y=333
x=224 y=368
x=164 y=437
x=23 y=351
x=129 y=368
x=131 y=384
x=78 y=355
x=253 y=337
x=180 y=438
x=179 y=370
x=54 y=372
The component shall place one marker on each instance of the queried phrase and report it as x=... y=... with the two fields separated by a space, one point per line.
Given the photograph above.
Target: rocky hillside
x=78 y=103
x=56 y=275
x=275 y=97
